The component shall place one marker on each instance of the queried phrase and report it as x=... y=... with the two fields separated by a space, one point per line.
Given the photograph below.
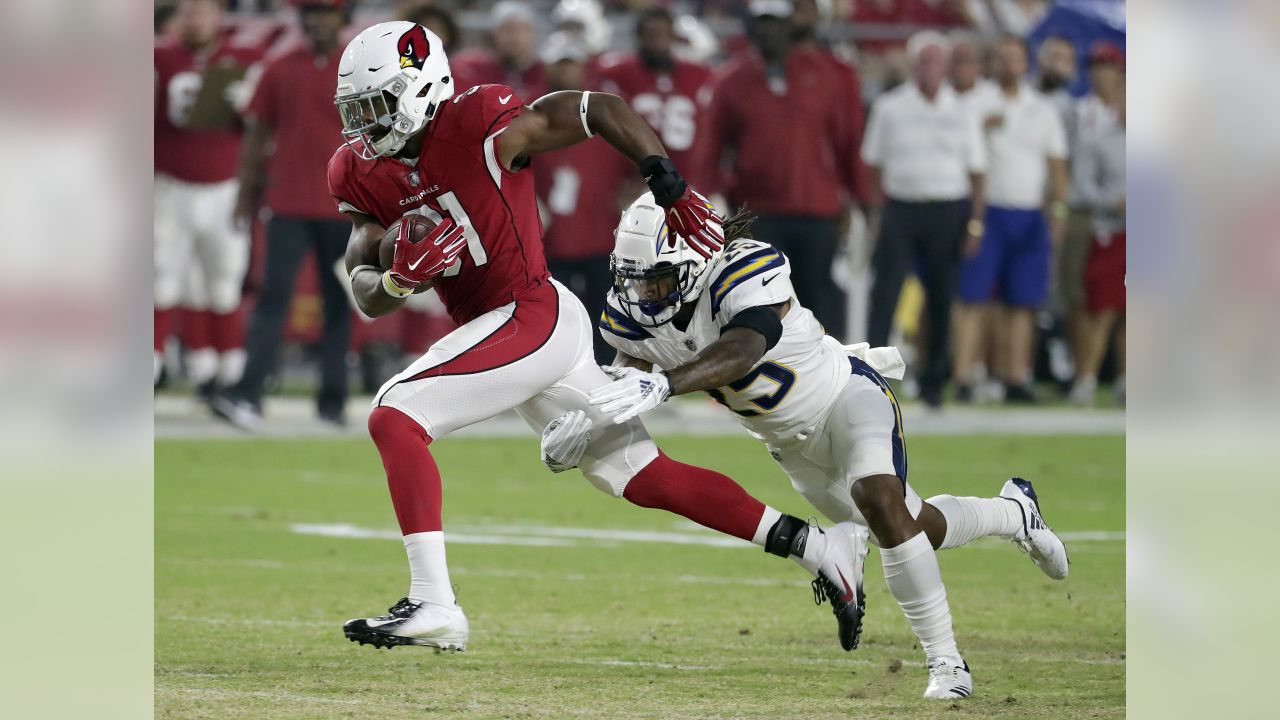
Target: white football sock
x=767 y=520
x=969 y=518
x=429 y=573
x=912 y=574
x=230 y=366
x=202 y=365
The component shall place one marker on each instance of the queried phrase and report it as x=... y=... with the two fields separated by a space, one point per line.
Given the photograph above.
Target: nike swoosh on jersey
x=504 y=100
x=767 y=280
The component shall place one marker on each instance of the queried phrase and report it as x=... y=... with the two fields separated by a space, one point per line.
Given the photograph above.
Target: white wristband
x=393 y=289
x=582 y=112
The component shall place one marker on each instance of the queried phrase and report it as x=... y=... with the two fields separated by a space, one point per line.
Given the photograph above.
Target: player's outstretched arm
x=743 y=341
x=725 y=360
x=557 y=120
x=365 y=267
x=568 y=117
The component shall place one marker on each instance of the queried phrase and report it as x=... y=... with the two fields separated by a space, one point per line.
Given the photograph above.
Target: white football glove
x=635 y=393
x=564 y=440
x=617 y=373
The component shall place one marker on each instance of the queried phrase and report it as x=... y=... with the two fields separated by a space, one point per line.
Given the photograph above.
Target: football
x=419 y=227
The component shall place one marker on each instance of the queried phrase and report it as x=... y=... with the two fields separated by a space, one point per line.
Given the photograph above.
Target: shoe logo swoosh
x=504 y=100
x=848 y=591
x=380 y=623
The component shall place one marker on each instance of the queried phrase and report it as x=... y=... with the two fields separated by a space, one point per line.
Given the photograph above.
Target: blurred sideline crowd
x=944 y=175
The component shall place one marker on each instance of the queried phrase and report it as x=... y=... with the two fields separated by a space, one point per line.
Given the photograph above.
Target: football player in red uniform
x=523 y=341
x=660 y=87
x=200 y=254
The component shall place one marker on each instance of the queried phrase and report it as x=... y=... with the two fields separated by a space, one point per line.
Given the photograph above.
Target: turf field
x=582 y=606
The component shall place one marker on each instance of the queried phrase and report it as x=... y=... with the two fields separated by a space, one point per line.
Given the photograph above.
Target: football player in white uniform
x=730 y=325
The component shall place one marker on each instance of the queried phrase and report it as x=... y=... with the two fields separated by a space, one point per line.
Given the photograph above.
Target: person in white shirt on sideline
x=924 y=154
x=1027 y=148
x=968 y=57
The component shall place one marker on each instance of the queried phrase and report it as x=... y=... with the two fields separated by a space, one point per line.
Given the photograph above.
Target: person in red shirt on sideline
x=581 y=190
x=661 y=88
x=291 y=111
x=513 y=61
x=200 y=256
x=416 y=149
x=794 y=144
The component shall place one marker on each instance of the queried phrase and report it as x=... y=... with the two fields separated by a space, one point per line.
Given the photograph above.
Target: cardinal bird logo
x=414 y=48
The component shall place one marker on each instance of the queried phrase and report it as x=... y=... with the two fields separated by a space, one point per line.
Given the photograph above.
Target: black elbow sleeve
x=762 y=319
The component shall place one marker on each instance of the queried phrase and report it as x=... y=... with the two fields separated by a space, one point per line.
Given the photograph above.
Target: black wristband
x=663 y=179
x=761 y=318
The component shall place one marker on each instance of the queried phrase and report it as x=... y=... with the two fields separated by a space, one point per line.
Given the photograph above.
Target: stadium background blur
x=515 y=43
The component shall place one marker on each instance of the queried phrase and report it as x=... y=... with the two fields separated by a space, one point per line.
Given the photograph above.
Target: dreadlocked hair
x=738 y=225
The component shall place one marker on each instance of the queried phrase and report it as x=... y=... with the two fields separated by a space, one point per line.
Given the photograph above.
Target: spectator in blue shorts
x=1027 y=155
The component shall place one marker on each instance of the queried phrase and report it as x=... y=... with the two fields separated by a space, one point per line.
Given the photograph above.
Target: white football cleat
x=840 y=579
x=412 y=623
x=1037 y=539
x=949 y=681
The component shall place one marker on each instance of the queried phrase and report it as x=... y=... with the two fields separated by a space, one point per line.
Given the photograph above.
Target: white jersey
x=794 y=384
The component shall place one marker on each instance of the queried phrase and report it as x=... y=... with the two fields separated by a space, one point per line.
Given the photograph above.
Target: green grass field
x=249 y=612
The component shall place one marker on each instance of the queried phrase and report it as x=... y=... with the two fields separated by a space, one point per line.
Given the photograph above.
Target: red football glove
x=690 y=217
x=416 y=263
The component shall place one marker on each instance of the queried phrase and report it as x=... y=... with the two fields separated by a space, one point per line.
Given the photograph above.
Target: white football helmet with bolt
x=653 y=280
x=391 y=80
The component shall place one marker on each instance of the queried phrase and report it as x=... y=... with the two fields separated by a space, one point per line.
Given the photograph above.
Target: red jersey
x=198 y=156
x=294 y=98
x=579 y=187
x=481 y=67
x=459 y=175
x=668 y=101
x=795 y=139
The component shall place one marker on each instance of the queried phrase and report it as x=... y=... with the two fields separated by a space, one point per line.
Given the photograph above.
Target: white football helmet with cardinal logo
x=391 y=80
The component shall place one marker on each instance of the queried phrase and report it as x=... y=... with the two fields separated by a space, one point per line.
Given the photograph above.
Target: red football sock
x=412 y=474
x=704 y=496
x=226 y=331
x=162 y=326
x=197 y=329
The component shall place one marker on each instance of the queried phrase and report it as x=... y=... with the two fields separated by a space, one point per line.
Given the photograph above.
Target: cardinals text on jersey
x=794 y=383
